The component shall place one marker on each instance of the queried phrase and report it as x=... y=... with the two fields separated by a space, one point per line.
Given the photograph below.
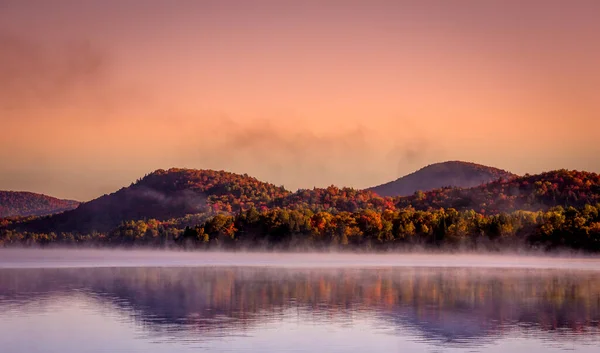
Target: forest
x=14 y=203
x=303 y=229
x=195 y=209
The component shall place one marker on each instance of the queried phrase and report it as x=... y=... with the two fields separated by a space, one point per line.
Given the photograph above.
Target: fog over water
x=58 y=258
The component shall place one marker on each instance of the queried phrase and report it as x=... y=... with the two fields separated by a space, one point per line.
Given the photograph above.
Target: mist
x=76 y=258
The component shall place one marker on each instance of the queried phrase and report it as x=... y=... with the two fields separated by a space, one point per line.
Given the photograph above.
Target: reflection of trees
x=461 y=305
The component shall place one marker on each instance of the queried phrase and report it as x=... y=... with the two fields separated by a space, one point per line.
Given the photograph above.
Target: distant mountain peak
x=438 y=175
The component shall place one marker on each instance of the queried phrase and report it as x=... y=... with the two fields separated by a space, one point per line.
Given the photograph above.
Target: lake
x=157 y=301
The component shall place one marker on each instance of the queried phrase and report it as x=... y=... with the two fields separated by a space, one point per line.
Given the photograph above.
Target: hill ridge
x=437 y=175
x=175 y=193
x=27 y=203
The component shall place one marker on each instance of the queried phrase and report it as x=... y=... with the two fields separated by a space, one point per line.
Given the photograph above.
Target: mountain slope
x=530 y=193
x=175 y=193
x=18 y=203
x=164 y=194
x=435 y=176
x=204 y=208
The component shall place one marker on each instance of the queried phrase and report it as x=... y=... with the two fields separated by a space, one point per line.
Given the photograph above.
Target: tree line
x=304 y=229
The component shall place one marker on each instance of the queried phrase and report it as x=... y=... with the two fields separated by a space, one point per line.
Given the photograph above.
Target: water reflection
x=460 y=307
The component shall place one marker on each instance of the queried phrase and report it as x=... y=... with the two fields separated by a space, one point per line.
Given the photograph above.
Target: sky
x=95 y=94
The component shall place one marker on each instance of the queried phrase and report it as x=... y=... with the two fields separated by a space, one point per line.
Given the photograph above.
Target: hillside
x=530 y=193
x=333 y=199
x=205 y=208
x=16 y=203
x=175 y=193
x=162 y=195
x=435 y=176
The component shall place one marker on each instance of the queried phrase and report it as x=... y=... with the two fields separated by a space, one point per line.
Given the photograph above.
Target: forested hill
x=16 y=203
x=446 y=174
x=165 y=194
x=529 y=193
x=175 y=193
x=204 y=208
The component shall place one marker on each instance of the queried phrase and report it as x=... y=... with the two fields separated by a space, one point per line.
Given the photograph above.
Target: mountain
x=17 y=203
x=206 y=208
x=434 y=176
x=175 y=193
x=529 y=193
x=162 y=195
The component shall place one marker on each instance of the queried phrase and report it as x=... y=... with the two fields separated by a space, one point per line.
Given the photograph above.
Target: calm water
x=242 y=308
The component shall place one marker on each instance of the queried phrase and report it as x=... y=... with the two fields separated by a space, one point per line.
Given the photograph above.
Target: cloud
x=410 y=153
x=48 y=75
x=297 y=156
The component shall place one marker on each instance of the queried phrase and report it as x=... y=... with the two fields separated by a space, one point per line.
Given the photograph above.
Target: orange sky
x=95 y=94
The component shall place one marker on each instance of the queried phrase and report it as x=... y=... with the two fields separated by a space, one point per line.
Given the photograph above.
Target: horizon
x=301 y=94
x=252 y=176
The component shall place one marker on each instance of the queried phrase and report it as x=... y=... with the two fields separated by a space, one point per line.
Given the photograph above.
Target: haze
x=61 y=258
x=94 y=95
